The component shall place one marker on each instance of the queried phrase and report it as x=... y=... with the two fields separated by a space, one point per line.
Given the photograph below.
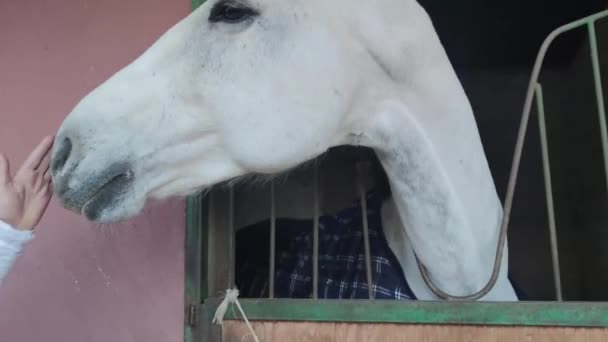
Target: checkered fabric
x=342 y=271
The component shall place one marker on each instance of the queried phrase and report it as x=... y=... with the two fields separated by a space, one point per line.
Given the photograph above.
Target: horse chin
x=98 y=211
x=113 y=203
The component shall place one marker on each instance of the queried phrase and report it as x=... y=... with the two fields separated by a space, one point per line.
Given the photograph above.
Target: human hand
x=25 y=197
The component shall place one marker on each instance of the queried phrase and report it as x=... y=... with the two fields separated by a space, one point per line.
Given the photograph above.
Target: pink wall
x=78 y=281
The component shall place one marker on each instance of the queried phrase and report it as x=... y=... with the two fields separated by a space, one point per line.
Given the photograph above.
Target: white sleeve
x=12 y=242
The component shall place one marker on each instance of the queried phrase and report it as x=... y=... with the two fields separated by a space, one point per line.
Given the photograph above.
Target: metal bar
x=213 y=270
x=232 y=239
x=273 y=235
x=315 y=240
x=362 y=171
x=540 y=105
x=514 y=166
x=599 y=93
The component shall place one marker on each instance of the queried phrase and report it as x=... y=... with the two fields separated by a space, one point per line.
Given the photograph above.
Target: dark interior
x=505 y=34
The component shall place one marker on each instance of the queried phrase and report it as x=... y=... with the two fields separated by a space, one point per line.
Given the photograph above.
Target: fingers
x=36 y=157
x=47 y=190
x=47 y=173
x=41 y=176
x=44 y=168
x=36 y=207
x=5 y=172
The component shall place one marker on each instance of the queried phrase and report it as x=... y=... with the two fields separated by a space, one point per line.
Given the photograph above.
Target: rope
x=232 y=297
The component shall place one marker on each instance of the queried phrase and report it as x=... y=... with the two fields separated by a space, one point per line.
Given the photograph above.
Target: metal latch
x=192 y=315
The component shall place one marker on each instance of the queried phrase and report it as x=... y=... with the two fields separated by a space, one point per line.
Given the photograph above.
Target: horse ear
x=400 y=37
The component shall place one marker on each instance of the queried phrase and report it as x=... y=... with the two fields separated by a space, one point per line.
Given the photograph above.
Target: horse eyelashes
x=231 y=12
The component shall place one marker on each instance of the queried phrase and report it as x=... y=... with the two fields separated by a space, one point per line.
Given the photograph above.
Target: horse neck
x=429 y=146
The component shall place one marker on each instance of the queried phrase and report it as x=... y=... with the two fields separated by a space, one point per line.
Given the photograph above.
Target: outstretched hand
x=25 y=197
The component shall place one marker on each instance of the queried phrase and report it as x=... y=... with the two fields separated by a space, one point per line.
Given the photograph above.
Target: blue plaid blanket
x=342 y=271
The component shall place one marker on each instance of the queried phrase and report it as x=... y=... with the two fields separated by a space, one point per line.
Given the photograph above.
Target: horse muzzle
x=88 y=189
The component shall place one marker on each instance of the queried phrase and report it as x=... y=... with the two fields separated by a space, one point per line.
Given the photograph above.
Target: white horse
x=261 y=86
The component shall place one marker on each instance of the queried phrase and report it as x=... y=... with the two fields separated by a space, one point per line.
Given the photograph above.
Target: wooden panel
x=235 y=331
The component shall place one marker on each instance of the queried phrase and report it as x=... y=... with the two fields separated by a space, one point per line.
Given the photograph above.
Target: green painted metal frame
x=570 y=314
x=195 y=287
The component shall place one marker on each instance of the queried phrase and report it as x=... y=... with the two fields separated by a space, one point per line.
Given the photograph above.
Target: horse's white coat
x=212 y=101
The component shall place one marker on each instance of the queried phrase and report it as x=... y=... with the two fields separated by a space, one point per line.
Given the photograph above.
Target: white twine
x=232 y=297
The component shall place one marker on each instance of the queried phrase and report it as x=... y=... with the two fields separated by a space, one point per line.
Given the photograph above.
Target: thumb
x=5 y=172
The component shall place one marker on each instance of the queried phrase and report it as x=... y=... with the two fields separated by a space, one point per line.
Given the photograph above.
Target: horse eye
x=230 y=12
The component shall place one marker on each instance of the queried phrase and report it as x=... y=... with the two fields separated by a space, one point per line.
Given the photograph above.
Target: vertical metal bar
x=362 y=172
x=273 y=234
x=212 y=275
x=232 y=238
x=540 y=105
x=315 y=243
x=599 y=94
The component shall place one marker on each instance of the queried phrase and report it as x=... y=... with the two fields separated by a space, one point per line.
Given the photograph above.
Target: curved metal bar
x=590 y=20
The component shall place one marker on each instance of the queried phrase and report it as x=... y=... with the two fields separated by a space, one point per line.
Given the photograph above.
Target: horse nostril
x=61 y=156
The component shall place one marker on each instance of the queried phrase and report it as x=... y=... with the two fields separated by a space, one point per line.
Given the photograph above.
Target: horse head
x=237 y=87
